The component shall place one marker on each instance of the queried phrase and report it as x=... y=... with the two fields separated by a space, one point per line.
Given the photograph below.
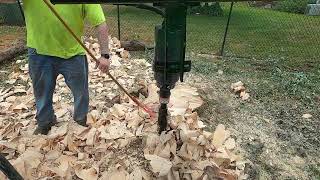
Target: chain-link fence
x=10 y=14
x=254 y=31
x=266 y=33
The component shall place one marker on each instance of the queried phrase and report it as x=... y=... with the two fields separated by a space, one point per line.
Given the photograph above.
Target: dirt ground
x=271 y=132
x=269 y=129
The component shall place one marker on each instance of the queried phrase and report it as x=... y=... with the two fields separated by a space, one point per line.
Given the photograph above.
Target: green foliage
x=211 y=9
x=312 y=1
x=292 y=6
x=315 y=171
x=1 y=19
x=298 y=84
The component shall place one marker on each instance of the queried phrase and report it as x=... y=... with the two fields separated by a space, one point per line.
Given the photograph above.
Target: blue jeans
x=44 y=71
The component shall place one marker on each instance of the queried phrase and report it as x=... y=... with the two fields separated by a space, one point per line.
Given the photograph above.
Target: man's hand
x=103 y=64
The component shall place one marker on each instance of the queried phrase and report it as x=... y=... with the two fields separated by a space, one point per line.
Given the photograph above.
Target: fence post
x=21 y=10
x=226 y=31
x=119 y=28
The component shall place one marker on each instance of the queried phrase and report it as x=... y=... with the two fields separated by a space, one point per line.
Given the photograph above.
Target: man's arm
x=103 y=38
x=94 y=14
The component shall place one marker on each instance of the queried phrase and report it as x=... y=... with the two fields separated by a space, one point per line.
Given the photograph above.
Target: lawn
x=257 y=33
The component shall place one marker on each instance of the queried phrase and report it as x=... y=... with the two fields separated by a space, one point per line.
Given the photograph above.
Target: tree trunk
x=18 y=48
x=133 y=45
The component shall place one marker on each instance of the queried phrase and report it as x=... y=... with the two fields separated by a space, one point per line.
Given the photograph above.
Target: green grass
x=264 y=33
x=257 y=33
x=275 y=92
x=268 y=81
x=204 y=33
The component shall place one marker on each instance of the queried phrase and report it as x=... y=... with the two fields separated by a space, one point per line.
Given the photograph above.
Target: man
x=53 y=51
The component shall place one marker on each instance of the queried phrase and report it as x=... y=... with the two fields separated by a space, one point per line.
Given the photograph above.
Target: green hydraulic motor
x=169 y=62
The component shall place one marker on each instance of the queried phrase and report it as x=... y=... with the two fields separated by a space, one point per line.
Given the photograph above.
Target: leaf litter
x=121 y=142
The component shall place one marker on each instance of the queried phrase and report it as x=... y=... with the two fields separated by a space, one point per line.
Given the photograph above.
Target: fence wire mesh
x=10 y=14
x=266 y=33
x=254 y=31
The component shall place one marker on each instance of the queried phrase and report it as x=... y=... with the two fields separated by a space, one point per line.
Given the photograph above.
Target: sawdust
x=122 y=142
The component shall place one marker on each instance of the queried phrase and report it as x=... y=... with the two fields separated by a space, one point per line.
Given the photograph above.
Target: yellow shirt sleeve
x=94 y=14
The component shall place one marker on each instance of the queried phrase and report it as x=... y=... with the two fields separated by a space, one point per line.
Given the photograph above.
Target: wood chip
x=58 y=132
x=115 y=174
x=136 y=174
x=244 y=95
x=307 y=116
x=237 y=84
x=64 y=166
x=230 y=144
x=219 y=136
x=159 y=165
x=21 y=106
x=11 y=99
x=91 y=136
x=114 y=130
x=86 y=174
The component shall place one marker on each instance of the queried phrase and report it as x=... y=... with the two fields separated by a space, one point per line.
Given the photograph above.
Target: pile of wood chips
x=240 y=89
x=122 y=141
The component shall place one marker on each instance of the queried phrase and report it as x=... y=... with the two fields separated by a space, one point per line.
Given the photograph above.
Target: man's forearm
x=103 y=38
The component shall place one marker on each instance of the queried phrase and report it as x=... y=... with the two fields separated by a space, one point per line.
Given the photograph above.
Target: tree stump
x=133 y=45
